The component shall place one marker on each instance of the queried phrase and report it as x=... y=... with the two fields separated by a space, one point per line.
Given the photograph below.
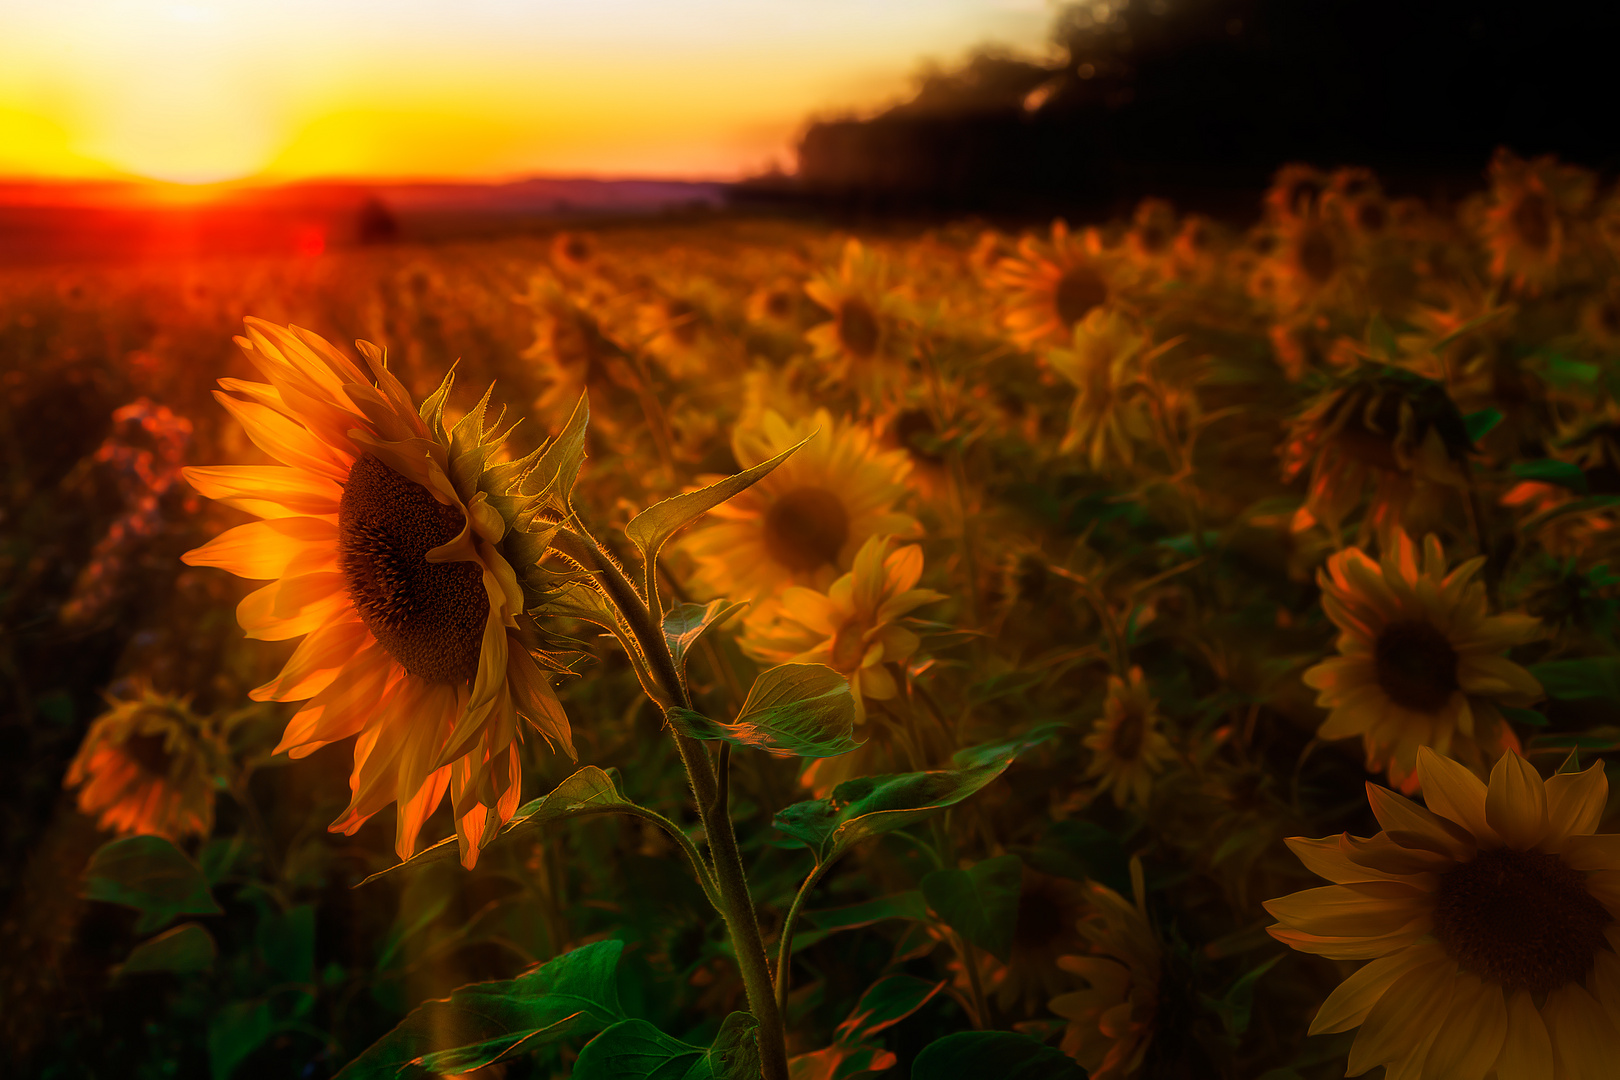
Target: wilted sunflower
x=862 y=310
x=1489 y=921
x=1111 y=1024
x=1381 y=424
x=390 y=543
x=146 y=767
x=1534 y=207
x=1127 y=747
x=1420 y=660
x=1103 y=363
x=803 y=523
x=1052 y=286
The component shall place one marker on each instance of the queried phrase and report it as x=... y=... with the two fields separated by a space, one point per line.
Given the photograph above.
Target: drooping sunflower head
x=803 y=523
x=1127 y=746
x=1534 y=208
x=147 y=766
x=861 y=311
x=1111 y=1023
x=403 y=552
x=1103 y=363
x=1378 y=424
x=1420 y=660
x=1051 y=286
x=1489 y=920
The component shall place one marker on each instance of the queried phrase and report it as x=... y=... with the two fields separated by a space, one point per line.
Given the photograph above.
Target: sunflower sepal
x=555 y=471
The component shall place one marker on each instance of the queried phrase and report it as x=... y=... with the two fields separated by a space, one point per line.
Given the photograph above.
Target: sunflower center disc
x=429 y=616
x=1532 y=220
x=1078 y=291
x=914 y=430
x=1316 y=257
x=150 y=752
x=1417 y=667
x=1129 y=735
x=806 y=528
x=1519 y=918
x=858 y=328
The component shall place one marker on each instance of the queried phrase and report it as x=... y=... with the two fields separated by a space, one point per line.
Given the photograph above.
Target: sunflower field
x=726 y=648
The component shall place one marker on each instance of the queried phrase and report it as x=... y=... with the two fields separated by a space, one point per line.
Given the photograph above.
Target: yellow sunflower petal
x=1353 y=999
x=1470 y=1037
x=1582 y=1033
x=264 y=550
x=1371 y=908
x=1408 y=1011
x=1575 y=802
x=1516 y=803
x=1410 y=825
x=1451 y=791
x=1600 y=851
x=1526 y=1048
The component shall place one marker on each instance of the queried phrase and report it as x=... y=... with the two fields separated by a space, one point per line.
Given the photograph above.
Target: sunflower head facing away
x=1488 y=920
x=146 y=766
x=1111 y=1023
x=1051 y=286
x=1127 y=747
x=1420 y=660
x=1399 y=431
x=803 y=523
x=389 y=542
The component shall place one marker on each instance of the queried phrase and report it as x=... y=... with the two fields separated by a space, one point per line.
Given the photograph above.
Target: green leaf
x=588 y=791
x=287 y=942
x=478 y=1025
x=981 y=902
x=735 y=1053
x=1551 y=471
x=234 y=1033
x=885 y=1003
x=635 y=1050
x=870 y=805
x=1480 y=424
x=1527 y=717
x=185 y=949
x=1006 y=1055
x=153 y=876
x=1561 y=370
x=1591 y=678
x=792 y=710
x=904 y=905
x=686 y=623
x=1572 y=763
x=649 y=529
x=1236 y=1006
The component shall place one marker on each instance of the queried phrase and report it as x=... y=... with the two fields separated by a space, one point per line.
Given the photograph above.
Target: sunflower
x=573 y=253
x=779 y=305
x=803 y=523
x=1489 y=921
x=1103 y=365
x=1052 y=286
x=862 y=311
x=1420 y=661
x=146 y=767
x=1534 y=208
x=676 y=330
x=1308 y=264
x=856 y=627
x=1127 y=747
x=571 y=355
x=1050 y=910
x=1111 y=1023
x=390 y=542
x=1295 y=192
x=1381 y=424
x=1152 y=237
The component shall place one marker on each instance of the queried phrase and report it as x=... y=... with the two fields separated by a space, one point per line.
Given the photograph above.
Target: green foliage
x=1006 y=1055
x=153 y=876
x=1594 y=678
x=185 y=949
x=234 y=1033
x=636 y=1050
x=981 y=902
x=792 y=710
x=1551 y=471
x=575 y=994
x=685 y=624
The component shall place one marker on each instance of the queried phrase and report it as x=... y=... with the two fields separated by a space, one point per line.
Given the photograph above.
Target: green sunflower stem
x=708 y=789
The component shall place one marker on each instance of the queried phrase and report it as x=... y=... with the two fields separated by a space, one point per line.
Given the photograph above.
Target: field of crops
x=860 y=641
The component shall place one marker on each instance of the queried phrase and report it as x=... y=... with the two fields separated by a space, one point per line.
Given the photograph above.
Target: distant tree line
x=1201 y=101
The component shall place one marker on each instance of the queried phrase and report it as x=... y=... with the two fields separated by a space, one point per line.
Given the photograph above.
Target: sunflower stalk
x=709 y=790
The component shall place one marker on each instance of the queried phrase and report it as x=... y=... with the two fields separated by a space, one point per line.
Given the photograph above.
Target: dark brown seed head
x=858 y=330
x=806 y=528
x=150 y=752
x=1417 y=667
x=1078 y=291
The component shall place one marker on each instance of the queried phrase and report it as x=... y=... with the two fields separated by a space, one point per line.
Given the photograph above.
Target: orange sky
x=285 y=89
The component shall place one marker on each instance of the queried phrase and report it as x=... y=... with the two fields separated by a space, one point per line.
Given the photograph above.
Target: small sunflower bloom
x=803 y=523
x=1382 y=426
x=573 y=252
x=862 y=309
x=1051 y=286
x=1111 y=1024
x=1103 y=363
x=1532 y=216
x=1488 y=920
x=1127 y=747
x=146 y=767
x=1420 y=660
x=389 y=543
x=857 y=627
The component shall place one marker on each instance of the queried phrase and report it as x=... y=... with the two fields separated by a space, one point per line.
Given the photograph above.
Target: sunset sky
x=283 y=89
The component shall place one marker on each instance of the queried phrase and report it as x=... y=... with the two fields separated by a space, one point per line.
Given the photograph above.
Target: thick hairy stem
x=737 y=905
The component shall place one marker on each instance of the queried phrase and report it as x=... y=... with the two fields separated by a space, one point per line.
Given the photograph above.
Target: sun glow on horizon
x=206 y=91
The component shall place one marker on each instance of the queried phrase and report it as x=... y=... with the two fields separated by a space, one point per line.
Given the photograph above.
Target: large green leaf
x=981 y=902
x=885 y=1003
x=1005 y=1055
x=588 y=791
x=287 y=942
x=153 y=876
x=793 y=710
x=819 y=924
x=574 y=994
x=735 y=1053
x=186 y=948
x=870 y=805
x=649 y=529
x=1585 y=679
x=235 y=1032
x=686 y=623
x=636 y=1050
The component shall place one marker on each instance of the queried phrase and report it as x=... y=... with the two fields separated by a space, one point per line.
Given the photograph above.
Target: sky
x=213 y=90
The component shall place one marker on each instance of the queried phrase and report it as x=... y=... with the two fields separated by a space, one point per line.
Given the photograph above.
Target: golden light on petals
x=1052 y=285
x=146 y=767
